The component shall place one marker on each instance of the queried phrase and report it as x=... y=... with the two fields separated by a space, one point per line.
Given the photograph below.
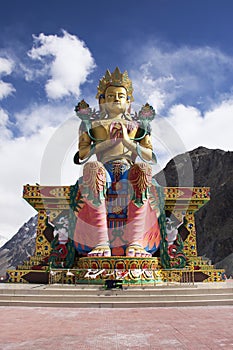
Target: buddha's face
x=115 y=100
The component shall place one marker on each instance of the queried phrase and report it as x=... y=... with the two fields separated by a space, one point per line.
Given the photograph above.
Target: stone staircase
x=94 y=296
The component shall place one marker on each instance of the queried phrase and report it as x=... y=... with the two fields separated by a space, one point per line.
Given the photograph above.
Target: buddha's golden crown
x=115 y=79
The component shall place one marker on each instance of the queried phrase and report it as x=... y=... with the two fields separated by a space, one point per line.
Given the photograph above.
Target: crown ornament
x=115 y=78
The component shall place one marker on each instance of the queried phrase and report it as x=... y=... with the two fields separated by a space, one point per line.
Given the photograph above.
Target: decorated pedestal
x=47 y=265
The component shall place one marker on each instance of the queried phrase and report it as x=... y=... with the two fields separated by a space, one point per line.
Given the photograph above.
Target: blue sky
x=178 y=53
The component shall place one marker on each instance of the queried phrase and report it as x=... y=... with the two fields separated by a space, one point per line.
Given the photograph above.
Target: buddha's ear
x=128 y=108
x=101 y=100
x=102 y=105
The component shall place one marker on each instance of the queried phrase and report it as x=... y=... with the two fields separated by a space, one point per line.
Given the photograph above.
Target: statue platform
x=52 y=201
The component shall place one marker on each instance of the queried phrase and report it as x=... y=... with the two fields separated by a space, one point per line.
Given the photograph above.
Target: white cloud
x=194 y=76
x=187 y=128
x=5 y=132
x=5 y=89
x=6 y=68
x=40 y=155
x=213 y=129
x=20 y=164
x=37 y=117
x=66 y=60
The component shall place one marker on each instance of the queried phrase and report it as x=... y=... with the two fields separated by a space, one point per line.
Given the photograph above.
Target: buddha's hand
x=124 y=135
x=116 y=131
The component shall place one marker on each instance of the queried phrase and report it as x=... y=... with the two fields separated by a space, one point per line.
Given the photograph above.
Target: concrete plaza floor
x=196 y=328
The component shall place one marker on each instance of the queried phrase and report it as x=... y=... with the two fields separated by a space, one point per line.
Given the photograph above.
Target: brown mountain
x=19 y=247
x=214 y=222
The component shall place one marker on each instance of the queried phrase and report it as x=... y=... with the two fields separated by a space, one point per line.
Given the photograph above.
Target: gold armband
x=146 y=142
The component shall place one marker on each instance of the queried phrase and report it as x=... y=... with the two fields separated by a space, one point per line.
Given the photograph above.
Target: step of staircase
x=128 y=297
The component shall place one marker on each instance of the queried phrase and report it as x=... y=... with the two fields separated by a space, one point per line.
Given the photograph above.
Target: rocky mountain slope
x=19 y=247
x=214 y=222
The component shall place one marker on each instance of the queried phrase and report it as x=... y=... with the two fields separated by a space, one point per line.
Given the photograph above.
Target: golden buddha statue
x=118 y=202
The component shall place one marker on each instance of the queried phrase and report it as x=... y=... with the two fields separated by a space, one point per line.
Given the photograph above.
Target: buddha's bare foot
x=100 y=250
x=137 y=250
